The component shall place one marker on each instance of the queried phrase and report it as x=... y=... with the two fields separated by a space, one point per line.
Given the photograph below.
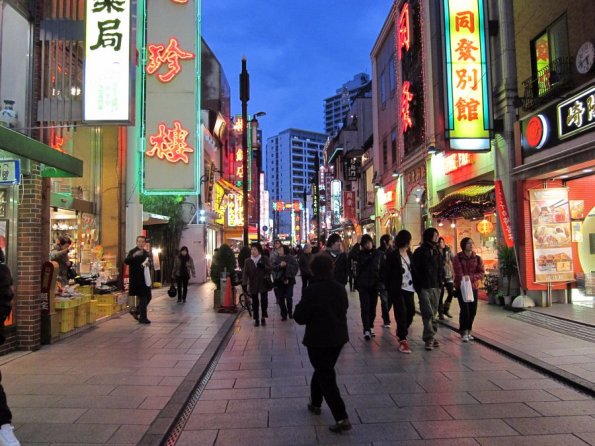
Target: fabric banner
x=349 y=205
x=504 y=214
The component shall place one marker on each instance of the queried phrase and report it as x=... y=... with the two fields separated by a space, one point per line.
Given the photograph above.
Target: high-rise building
x=289 y=159
x=337 y=106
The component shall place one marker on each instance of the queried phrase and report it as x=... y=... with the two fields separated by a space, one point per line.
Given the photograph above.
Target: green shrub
x=223 y=259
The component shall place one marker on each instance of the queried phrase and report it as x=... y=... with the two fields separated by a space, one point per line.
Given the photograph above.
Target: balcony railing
x=548 y=81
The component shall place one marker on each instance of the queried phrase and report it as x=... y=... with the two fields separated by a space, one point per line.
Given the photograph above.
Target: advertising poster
x=551 y=233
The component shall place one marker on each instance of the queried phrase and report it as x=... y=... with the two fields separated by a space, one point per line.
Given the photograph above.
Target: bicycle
x=246 y=302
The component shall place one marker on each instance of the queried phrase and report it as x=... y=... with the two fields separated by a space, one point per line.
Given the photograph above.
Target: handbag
x=147 y=272
x=467 y=290
x=269 y=283
x=172 y=292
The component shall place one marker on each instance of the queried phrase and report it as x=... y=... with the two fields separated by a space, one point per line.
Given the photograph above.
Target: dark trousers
x=385 y=306
x=284 y=295
x=368 y=300
x=262 y=300
x=450 y=292
x=305 y=283
x=5 y=414
x=468 y=312
x=351 y=281
x=404 y=309
x=143 y=303
x=182 y=288
x=324 y=380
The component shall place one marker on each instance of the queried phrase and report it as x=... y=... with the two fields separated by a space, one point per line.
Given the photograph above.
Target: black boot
x=446 y=310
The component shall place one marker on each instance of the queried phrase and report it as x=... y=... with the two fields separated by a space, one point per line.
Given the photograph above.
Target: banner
x=349 y=205
x=551 y=233
x=504 y=214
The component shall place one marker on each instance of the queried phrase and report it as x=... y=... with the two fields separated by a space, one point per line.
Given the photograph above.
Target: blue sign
x=10 y=172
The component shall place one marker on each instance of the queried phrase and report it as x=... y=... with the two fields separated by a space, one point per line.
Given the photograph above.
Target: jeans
x=428 y=304
x=182 y=288
x=385 y=305
x=5 y=414
x=468 y=312
x=284 y=296
x=449 y=290
x=324 y=380
x=368 y=300
x=404 y=309
x=263 y=302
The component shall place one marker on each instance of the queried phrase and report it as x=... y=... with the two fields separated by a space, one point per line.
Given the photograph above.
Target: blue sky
x=298 y=52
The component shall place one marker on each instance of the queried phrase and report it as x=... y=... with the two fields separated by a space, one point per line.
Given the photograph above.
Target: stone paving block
x=391 y=414
x=62 y=389
x=532 y=440
x=246 y=383
x=368 y=432
x=77 y=434
x=441 y=442
x=193 y=438
x=233 y=374
x=433 y=399
x=235 y=394
x=128 y=434
x=269 y=404
x=122 y=416
x=15 y=401
x=290 y=391
x=552 y=425
x=154 y=402
x=486 y=411
x=46 y=415
x=281 y=436
x=394 y=387
x=521 y=384
x=171 y=381
x=211 y=406
x=463 y=428
x=588 y=437
x=100 y=402
x=221 y=384
x=512 y=396
x=568 y=394
x=362 y=401
x=559 y=408
x=144 y=390
x=236 y=420
x=300 y=416
x=131 y=379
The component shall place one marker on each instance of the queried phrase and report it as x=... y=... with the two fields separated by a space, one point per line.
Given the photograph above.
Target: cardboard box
x=104 y=310
x=66 y=321
x=92 y=315
x=81 y=315
x=104 y=299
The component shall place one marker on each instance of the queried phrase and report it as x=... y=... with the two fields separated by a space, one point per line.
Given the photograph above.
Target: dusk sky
x=298 y=52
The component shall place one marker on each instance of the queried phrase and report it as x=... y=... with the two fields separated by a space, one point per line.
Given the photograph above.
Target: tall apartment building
x=337 y=106
x=289 y=164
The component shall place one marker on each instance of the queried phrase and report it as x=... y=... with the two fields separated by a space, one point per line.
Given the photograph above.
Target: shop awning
x=468 y=202
x=150 y=219
x=57 y=164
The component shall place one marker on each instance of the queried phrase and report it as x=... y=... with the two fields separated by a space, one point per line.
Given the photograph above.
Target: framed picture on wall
x=577 y=209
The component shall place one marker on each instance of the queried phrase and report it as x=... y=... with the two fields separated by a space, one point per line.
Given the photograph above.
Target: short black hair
x=428 y=234
x=332 y=239
x=322 y=266
x=257 y=246
x=385 y=239
x=465 y=241
x=403 y=238
x=365 y=239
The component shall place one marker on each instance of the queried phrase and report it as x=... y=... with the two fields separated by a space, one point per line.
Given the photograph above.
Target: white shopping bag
x=467 y=289
x=147 y=272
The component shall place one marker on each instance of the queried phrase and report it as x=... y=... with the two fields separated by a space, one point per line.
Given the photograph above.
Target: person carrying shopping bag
x=183 y=267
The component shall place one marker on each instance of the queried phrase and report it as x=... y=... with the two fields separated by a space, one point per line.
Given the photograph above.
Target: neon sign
x=171 y=54
x=467 y=90
x=406 y=98
x=180 y=2
x=404 y=29
x=456 y=161
x=576 y=114
x=170 y=144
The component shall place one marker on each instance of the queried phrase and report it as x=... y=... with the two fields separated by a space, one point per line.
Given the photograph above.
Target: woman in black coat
x=256 y=268
x=138 y=260
x=323 y=309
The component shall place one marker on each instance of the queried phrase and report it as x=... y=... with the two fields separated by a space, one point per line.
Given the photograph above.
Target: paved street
x=121 y=383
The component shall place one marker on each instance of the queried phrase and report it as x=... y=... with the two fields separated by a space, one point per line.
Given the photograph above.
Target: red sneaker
x=404 y=346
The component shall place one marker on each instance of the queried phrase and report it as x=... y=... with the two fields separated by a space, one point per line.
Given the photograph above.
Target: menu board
x=552 y=236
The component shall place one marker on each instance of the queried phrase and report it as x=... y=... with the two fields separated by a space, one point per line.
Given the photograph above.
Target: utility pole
x=245 y=97
x=317 y=192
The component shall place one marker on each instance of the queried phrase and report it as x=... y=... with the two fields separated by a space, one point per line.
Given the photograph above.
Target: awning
x=57 y=164
x=150 y=219
x=468 y=202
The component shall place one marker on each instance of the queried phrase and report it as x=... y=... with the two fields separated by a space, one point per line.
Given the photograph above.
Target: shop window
x=383 y=88
x=391 y=75
x=549 y=54
x=393 y=145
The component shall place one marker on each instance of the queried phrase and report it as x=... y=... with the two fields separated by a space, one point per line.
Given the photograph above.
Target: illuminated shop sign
x=108 y=71
x=406 y=98
x=235 y=210
x=336 y=202
x=403 y=33
x=455 y=161
x=576 y=114
x=468 y=107
x=170 y=144
x=170 y=56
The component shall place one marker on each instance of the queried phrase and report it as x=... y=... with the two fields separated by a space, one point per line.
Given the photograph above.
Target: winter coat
x=253 y=275
x=341 y=265
x=393 y=278
x=323 y=309
x=368 y=270
x=447 y=259
x=382 y=253
x=135 y=260
x=428 y=267
x=304 y=264
x=471 y=266
x=285 y=275
x=176 y=272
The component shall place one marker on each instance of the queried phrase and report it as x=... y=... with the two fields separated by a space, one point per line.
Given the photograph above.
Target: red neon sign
x=456 y=161
x=170 y=54
x=404 y=33
x=406 y=98
x=180 y=2
x=170 y=144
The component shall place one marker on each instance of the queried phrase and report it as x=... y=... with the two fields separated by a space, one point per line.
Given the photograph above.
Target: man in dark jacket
x=304 y=262
x=366 y=283
x=323 y=309
x=385 y=303
x=138 y=259
x=427 y=264
x=334 y=249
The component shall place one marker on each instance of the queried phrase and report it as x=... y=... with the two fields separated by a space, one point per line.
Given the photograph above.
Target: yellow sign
x=467 y=87
x=220 y=204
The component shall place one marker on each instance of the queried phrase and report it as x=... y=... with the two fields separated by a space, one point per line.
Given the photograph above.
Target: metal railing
x=548 y=81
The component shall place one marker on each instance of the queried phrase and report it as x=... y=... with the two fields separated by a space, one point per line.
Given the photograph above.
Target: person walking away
x=366 y=283
x=447 y=282
x=334 y=248
x=304 y=263
x=256 y=268
x=59 y=254
x=285 y=268
x=353 y=255
x=323 y=309
x=428 y=268
x=399 y=279
x=138 y=260
x=183 y=267
x=468 y=266
x=7 y=437
x=385 y=304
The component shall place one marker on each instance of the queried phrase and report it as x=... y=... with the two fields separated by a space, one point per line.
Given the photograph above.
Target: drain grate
x=570 y=328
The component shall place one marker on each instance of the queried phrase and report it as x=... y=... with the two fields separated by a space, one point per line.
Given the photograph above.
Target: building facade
x=337 y=106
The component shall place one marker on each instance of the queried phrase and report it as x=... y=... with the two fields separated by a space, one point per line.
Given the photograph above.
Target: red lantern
x=485 y=227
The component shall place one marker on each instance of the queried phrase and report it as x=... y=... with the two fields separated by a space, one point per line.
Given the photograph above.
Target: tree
x=223 y=259
x=507 y=264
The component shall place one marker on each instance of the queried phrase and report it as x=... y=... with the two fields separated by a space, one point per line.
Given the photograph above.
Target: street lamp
x=256 y=145
x=244 y=98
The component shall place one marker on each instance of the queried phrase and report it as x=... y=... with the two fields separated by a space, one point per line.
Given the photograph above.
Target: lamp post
x=256 y=145
x=317 y=192
x=245 y=97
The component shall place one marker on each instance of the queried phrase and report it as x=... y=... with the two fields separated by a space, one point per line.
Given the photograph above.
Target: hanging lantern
x=485 y=227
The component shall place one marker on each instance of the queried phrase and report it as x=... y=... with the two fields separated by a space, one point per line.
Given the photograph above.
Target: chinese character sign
x=169 y=56
x=403 y=32
x=467 y=87
x=170 y=144
x=503 y=213
x=108 y=81
x=576 y=114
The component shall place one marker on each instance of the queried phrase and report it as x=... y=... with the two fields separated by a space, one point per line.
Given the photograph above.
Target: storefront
x=413 y=202
x=556 y=178
x=386 y=210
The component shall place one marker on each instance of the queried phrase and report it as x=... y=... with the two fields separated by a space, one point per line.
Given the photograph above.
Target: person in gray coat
x=256 y=269
x=285 y=268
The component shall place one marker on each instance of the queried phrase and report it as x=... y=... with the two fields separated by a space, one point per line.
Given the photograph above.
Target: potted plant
x=508 y=268
x=490 y=283
x=223 y=264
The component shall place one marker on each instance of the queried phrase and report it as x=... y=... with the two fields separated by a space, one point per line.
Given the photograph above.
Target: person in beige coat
x=183 y=267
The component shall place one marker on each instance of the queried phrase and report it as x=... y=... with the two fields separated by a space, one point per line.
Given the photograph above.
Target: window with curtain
x=549 y=53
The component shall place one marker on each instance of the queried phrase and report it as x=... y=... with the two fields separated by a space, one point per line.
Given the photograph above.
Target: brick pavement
x=459 y=394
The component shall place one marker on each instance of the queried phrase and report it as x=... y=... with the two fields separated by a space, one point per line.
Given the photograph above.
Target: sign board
x=551 y=234
x=576 y=114
x=467 y=87
x=352 y=168
x=10 y=172
x=109 y=62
